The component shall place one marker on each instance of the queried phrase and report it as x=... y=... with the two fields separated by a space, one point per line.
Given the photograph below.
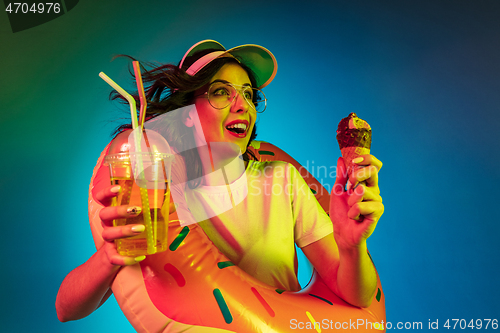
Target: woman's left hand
x=356 y=211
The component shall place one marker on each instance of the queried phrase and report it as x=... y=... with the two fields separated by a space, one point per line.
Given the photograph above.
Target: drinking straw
x=155 y=192
x=151 y=243
x=151 y=247
x=126 y=95
x=151 y=236
x=140 y=91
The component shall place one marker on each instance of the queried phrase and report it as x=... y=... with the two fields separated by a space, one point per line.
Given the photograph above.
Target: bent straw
x=144 y=192
x=151 y=237
x=140 y=91
x=126 y=95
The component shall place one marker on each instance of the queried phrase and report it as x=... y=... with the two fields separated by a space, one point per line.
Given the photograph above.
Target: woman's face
x=219 y=124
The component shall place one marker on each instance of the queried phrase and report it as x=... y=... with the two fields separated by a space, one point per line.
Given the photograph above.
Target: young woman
x=259 y=232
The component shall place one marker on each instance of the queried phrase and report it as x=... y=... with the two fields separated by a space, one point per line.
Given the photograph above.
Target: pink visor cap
x=259 y=59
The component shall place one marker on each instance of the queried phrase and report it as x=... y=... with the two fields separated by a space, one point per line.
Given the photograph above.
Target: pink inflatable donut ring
x=193 y=287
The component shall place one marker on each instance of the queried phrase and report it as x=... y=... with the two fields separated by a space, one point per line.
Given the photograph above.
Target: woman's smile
x=233 y=123
x=238 y=128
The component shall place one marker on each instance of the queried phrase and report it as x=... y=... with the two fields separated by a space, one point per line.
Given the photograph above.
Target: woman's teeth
x=239 y=128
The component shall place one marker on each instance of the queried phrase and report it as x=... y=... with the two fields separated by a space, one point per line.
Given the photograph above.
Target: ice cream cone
x=354 y=136
x=350 y=153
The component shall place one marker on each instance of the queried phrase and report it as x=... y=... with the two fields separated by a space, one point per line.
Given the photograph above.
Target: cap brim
x=259 y=59
x=200 y=46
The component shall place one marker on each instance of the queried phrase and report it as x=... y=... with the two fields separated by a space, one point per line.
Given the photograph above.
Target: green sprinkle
x=379 y=294
x=280 y=291
x=178 y=240
x=313 y=191
x=321 y=298
x=228 y=318
x=224 y=264
x=265 y=152
x=369 y=255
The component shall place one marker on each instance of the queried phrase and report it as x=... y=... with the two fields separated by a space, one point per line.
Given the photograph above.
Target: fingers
x=113 y=233
x=108 y=214
x=341 y=176
x=358 y=199
x=369 y=160
x=367 y=174
x=363 y=193
x=370 y=209
x=106 y=195
x=126 y=261
x=116 y=259
x=368 y=169
x=129 y=230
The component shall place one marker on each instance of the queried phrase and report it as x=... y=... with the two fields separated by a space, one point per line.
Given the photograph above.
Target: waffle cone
x=354 y=136
x=350 y=153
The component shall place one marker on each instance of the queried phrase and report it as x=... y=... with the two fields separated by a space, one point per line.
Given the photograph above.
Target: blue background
x=424 y=74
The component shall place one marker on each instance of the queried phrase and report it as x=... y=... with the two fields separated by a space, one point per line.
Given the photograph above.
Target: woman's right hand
x=87 y=287
x=110 y=233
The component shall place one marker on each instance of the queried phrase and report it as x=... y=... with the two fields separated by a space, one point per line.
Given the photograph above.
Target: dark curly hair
x=167 y=88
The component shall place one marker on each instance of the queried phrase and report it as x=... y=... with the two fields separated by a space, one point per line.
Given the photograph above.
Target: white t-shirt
x=273 y=209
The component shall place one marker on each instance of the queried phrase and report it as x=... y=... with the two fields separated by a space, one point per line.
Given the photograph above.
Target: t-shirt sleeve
x=177 y=189
x=311 y=221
